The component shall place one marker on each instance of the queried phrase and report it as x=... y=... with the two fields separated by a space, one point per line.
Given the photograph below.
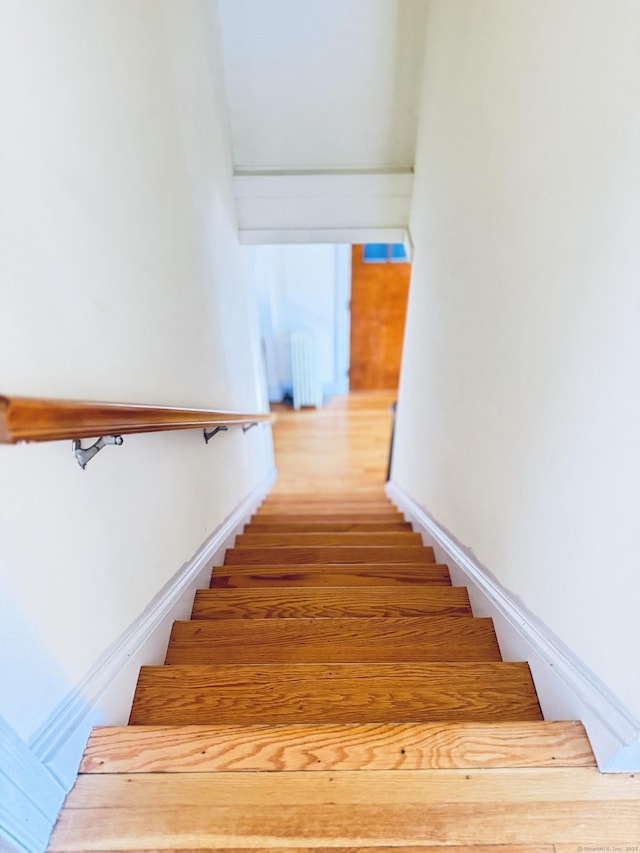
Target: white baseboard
x=30 y=796
x=567 y=689
x=6 y=846
x=104 y=695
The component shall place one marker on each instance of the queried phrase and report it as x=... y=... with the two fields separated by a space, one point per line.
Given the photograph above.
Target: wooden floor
x=332 y=691
x=340 y=449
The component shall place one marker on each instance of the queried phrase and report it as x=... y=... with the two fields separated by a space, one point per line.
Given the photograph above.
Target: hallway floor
x=340 y=448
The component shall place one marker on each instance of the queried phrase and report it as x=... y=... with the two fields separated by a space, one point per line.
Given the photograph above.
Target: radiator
x=307 y=388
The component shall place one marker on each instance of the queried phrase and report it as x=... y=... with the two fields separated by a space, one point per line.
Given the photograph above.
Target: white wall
x=306 y=289
x=323 y=85
x=519 y=417
x=120 y=279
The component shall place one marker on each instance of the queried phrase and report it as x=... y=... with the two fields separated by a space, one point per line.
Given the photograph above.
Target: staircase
x=333 y=690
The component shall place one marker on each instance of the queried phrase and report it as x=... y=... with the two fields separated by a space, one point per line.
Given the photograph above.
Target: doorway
x=380 y=276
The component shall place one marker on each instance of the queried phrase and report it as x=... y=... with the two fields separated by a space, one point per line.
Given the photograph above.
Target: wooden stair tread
x=328 y=576
x=340 y=640
x=287 y=602
x=324 y=508
x=334 y=693
x=328 y=517
x=348 y=809
x=323 y=505
x=379 y=788
x=331 y=554
x=484 y=848
x=304 y=539
x=370 y=746
x=313 y=526
x=339 y=498
x=323 y=568
x=335 y=500
x=368 y=493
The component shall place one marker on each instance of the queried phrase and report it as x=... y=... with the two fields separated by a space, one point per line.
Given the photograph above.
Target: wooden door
x=379 y=293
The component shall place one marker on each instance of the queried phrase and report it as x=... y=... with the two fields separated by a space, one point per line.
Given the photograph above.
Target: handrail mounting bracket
x=209 y=435
x=85 y=454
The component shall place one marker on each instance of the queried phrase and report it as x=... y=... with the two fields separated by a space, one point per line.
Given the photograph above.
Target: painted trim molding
x=341 y=320
x=104 y=695
x=567 y=689
x=347 y=235
x=326 y=200
x=343 y=206
x=30 y=797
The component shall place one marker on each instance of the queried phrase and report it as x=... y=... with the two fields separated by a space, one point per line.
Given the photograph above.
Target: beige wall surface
x=120 y=279
x=519 y=412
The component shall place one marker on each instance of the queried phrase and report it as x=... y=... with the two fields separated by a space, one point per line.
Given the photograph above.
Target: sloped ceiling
x=319 y=85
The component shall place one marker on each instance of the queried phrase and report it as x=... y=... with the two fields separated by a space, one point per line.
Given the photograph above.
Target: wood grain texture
x=339 y=640
x=379 y=295
x=375 y=746
x=314 y=526
x=323 y=502
x=302 y=540
x=330 y=603
x=223 y=810
x=334 y=693
x=341 y=501
x=341 y=449
x=500 y=848
x=329 y=517
x=324 y=505
x=335 y=823
x=338 y=554
x=382 y=787
x=238 y=577
x=326 y=509
x=369 y=497
x=36 y=419
x=369 y=501
x=369 y=493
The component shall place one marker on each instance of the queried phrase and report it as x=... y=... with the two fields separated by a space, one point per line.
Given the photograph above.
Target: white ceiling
x=323 y=84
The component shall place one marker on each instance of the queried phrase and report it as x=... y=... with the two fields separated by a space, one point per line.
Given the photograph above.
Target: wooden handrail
x=32 y=419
